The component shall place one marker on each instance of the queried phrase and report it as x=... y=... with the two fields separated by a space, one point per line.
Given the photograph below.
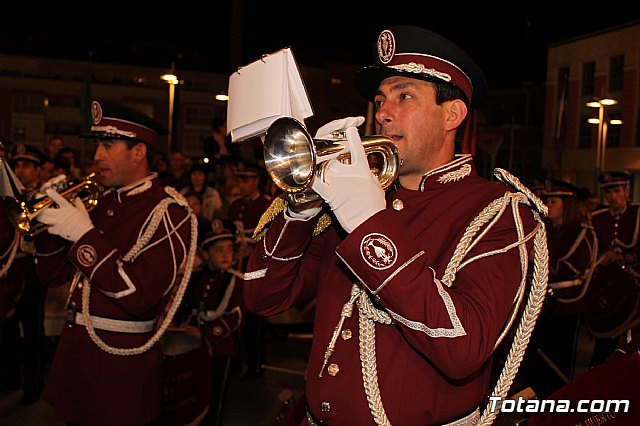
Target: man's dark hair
x=151 y=151
x=448 y=92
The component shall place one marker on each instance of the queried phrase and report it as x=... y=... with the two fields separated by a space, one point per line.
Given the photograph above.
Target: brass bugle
x=22 y=214
x=293 y=158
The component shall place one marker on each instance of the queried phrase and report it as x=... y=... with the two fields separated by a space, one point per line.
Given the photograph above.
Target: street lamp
x=172 y=79
x=602 y=128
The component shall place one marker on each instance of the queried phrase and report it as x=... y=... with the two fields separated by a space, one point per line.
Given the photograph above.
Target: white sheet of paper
x=264 y=91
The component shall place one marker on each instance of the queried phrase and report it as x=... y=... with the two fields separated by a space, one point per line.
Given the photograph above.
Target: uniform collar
x=135 y=188
x=618 y=213
x=460 y=168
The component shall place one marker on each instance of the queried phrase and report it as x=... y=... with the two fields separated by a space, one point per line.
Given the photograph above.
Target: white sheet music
x=264 y=91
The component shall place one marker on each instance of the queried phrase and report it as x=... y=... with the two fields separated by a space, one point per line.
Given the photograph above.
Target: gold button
x=346 y=334
x=264 y=258
x=325 y=407
x=109 y=212
x=397 y=204
x=80 y=286
x=616 y=224
x=333 y=369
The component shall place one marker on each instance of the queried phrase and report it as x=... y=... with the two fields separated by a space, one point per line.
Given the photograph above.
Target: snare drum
x=187 y=379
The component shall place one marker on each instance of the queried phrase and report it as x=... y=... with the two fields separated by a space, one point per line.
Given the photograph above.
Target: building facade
x=43 y=97
x=598 y=66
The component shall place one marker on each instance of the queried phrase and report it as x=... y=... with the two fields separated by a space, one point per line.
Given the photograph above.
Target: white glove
x=352 y=191
x=70 y=221
x=326 y=131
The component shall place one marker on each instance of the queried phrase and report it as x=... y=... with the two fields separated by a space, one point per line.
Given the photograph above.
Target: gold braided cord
x=156 y=216
x=534 y=304
x=527 y=323
x=506 y=177
x=368 y=315
x=275 y=208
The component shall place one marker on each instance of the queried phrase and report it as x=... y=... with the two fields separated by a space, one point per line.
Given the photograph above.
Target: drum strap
x=565 y=284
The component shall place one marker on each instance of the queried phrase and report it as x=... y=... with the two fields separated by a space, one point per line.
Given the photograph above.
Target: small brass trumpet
x=22 y=214
x=293 y=158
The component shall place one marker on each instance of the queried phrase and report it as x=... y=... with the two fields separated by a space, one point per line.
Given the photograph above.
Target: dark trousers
x=253 y=342
x=220 y=368
x=22 y=343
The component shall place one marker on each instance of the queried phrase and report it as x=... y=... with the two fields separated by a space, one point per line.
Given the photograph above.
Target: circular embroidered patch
x=217 y=331
x=386 y=46
x=86 y=255
x=378 y=251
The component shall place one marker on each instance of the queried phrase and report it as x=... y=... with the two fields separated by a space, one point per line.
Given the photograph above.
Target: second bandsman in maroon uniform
x=410 y=299
x=550 y=359
x=617 y=227
x=247 y=209
x=245 y=213
x=126 y=260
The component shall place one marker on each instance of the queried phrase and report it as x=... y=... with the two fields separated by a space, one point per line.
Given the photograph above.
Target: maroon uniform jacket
x=248 y=211
x=87 y=385
x=620 y=234
x=216 y=309
x=572 y=256
x=434 y=358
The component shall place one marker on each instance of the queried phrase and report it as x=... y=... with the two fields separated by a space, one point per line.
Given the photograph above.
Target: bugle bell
x=22 y=214
x=293 y=158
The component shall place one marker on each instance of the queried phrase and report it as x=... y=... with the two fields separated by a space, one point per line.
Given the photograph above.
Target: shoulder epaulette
x=509 y=179
x=275 y=208
x=178 y=197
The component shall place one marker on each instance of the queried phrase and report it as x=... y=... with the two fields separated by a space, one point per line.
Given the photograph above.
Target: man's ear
x=204 y=254
x=457 y=112
x=140 y=151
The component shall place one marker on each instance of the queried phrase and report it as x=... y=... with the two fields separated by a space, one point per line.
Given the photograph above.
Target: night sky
x=507 y=39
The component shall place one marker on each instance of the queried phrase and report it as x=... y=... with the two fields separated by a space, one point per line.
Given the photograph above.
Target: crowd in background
x=228 y=192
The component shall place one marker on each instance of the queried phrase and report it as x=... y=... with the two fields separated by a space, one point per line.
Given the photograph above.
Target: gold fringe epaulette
x=277 y=206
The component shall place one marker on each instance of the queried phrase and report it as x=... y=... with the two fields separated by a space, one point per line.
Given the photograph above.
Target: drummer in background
x=215 y=302
x=616 y=227
x=22 y=341
x=550 y=359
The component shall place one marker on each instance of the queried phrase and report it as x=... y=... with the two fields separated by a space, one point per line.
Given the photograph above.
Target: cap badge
x=96 y=112
x=21 y=148
x=378 y=251
x=217 y=226
x=607 y=177
x=386 y=46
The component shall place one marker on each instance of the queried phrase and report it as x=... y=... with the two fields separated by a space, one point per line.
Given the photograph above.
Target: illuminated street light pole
x=602 y=129
x=172 y=79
